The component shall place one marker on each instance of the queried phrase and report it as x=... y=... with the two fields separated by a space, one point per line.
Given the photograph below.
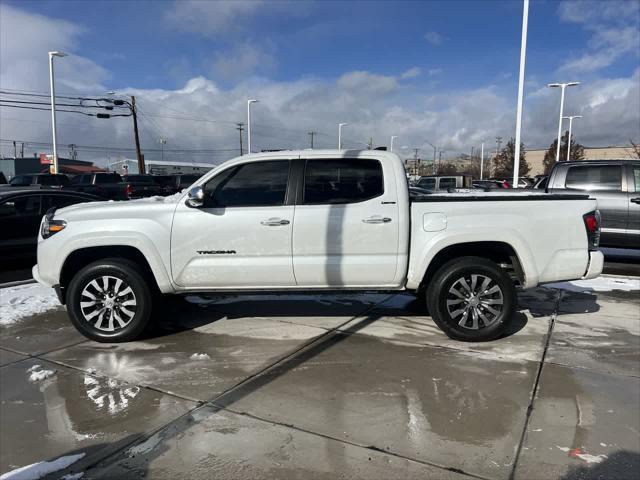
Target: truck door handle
x=274 y=222
x=635 y=200
x=377 y=220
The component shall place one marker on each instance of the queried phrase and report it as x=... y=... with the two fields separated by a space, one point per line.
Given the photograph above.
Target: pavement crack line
x=536 y=384
x=261 y=373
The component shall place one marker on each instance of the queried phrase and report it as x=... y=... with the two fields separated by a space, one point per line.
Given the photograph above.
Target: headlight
x=51 y=227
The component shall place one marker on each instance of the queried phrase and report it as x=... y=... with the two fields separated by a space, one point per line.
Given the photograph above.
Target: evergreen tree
x=503 y=162
x=577 y=152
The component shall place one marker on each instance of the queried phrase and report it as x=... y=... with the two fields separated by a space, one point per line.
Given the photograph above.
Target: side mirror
x=195 y=198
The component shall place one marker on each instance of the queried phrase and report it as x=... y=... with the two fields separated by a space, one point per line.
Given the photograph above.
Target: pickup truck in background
x=111 y=186
x=442 y=183
x=171 y=184
x=315 y=220
x=615 y=184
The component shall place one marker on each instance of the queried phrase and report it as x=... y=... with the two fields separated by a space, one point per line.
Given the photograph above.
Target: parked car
x=21 y=212
x=615 y=184
x=489 y=184
x=315 y=220
x=108 y=186
x=111 y=186
x=437 y=183
x=175 y=183
x=141 y=185
x=540 y=182
x=37 y=180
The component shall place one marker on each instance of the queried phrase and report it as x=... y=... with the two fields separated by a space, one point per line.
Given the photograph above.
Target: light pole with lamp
x=562 y=87
x=53 y=108
x=570 y=118
x=249 y=102
x=433 y=167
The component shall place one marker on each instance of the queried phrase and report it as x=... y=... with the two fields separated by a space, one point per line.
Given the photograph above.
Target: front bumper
x=35 y=272
x=596 y=264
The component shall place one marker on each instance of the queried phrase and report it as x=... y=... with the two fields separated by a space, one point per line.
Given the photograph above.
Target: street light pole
x=393 y=137
x=481 y=160
x=523 y=56
x=340 y=125
x=562 y=88
x=433 y=167
x=249 y=102
x=53 y=108
x=570 y=118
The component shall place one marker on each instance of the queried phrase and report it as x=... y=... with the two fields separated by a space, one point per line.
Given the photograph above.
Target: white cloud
x=211 y=17
x=221 y=17
x=435 y=71
x=241 y=61
x=413 y=72
x=614 y=28
x=434 y=38
x=201 y=114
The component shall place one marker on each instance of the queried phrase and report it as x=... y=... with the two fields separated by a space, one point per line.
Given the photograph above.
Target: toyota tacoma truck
x=315 y=220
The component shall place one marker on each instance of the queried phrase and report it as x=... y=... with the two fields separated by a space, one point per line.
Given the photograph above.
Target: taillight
x=129 y=191
x=592 y=225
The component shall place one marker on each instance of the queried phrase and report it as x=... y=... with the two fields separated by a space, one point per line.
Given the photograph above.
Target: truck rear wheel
x=471 y=299
x=109 y=301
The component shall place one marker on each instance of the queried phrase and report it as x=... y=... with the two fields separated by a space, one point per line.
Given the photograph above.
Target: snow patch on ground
x=200 y=356
x=40 y=375
x=600 y=284
x=73 y=476
x=40 y=469
x=24 y=301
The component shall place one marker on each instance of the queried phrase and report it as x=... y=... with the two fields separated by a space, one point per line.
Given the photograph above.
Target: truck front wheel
x=109 y=301
x=471 y=299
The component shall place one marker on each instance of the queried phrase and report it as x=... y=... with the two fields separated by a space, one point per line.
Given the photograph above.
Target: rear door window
x=115 y=178
x=594 y=177
x=427 y=183
x=342 y=181
x=636 y=178
x=449 y=182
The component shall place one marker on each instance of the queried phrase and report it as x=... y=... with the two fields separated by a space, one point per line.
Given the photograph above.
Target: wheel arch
x=502 y=253
x=78 y=259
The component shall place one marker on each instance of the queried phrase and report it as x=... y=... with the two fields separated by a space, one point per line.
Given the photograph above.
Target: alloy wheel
x=108 y=303
x=475 y=301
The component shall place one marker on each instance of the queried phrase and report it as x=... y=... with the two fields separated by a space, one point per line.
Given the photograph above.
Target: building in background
x=159 y=167
x=535 y=158
x=40 y=164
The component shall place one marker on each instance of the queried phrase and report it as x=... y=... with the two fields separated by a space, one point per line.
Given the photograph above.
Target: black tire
x=447 y=295
x=115 y=305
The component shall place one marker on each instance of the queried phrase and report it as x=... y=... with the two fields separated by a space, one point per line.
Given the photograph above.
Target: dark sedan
x=20 y=214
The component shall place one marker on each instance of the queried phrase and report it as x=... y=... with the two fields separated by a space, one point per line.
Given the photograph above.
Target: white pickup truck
x=315 y=220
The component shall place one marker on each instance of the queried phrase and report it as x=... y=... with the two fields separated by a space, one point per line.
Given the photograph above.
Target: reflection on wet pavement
x=70 y=411
x=326 y=386
x=218 y=444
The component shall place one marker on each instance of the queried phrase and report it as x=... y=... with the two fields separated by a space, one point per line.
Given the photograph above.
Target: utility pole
x=416 y=161
x=370 y=144
x=481 y=160
x=163 y=142
x=312 y=134
x=498 y=142
x=22 y=150
x=134 y=113
x=72 y=151
x=15 y=150
x=240 y=129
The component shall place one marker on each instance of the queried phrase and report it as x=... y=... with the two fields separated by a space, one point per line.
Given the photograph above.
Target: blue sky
x=422 y=68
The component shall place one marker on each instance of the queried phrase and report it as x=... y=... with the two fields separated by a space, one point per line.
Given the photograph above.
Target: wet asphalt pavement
x=330 y=386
